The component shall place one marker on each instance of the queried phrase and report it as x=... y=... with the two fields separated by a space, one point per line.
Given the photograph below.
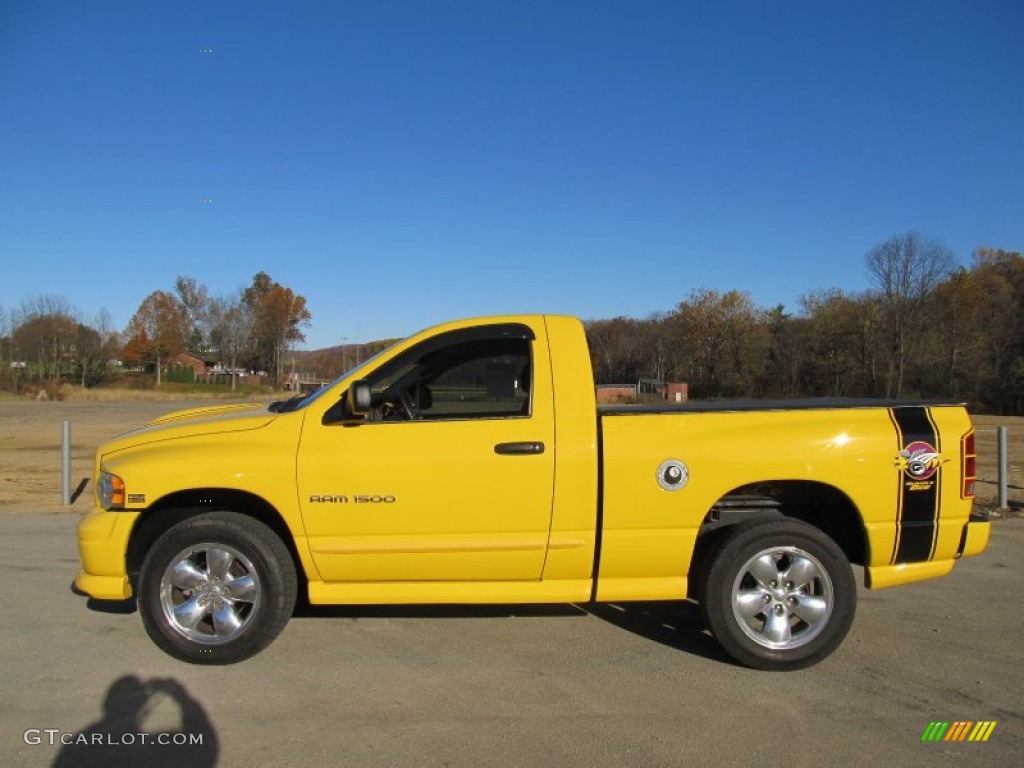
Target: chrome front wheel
x=216 y=588
x=209 y=593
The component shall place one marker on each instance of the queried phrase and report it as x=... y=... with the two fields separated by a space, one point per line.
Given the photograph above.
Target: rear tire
x=216 y=588
x=779 y=594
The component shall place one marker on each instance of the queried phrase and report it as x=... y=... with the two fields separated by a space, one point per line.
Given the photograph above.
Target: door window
x=472 y=379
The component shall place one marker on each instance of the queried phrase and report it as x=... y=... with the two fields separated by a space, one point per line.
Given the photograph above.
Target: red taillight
x=969 y=459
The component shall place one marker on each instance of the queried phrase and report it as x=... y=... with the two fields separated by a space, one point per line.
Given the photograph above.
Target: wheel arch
x=183 y=505
x=819 y=504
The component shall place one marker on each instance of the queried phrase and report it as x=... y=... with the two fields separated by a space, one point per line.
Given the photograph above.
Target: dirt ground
x=987 y=447
x=31 y=435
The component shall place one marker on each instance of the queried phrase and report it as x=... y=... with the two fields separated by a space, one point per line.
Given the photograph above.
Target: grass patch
x=166 y=392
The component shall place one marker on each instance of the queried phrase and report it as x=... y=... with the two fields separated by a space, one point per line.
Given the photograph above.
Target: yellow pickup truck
x=470 y=463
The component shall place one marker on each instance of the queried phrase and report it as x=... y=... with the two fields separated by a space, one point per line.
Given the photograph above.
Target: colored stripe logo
x=959 y=730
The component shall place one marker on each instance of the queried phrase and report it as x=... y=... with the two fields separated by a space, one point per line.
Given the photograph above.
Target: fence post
x=66 y=463
x=1004 y=474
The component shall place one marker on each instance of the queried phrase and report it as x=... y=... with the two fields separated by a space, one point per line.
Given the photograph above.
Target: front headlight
x=110 y=491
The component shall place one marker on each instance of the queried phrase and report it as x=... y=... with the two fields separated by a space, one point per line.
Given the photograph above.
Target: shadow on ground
x=677 y=625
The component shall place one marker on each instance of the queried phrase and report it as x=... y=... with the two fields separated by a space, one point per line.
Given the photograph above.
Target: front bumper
x=103 y=538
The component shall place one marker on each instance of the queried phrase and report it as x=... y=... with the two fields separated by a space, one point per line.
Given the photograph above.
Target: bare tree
x=47 y=327
x=88 y=352
x=617 y=349
x=110 y=340
x=5 y=346
x=230 y=330
x=5 y=331
x=194 y=302
x=906 y=269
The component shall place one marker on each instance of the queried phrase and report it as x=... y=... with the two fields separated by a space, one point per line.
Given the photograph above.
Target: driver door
x=450 y=478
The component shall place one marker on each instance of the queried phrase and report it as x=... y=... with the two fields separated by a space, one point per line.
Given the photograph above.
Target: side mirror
x=359 y=398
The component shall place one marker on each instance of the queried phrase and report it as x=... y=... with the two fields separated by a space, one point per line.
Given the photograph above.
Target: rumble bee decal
x=919 y=460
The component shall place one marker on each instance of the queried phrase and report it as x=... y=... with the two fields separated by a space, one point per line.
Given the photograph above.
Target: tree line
x=251 y=330
x=926 y=327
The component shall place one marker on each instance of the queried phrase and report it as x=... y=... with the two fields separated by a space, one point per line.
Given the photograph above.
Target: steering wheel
x=398 y=405
x=388 y=411
x=405 y=400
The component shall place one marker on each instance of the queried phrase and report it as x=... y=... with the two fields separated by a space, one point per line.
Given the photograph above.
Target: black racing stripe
x=919 y=506
x=899 y=489
x=915 y=424
x=938 y=484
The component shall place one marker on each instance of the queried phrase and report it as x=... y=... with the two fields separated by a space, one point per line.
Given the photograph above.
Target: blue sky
x=404 y=163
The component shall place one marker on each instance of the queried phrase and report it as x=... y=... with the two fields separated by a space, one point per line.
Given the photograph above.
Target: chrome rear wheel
x=782 y=598
x=778 y=594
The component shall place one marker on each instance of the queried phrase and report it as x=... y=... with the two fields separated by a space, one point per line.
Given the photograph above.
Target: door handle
x=519 y=449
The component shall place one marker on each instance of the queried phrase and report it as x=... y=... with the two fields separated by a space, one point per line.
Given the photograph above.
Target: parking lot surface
x=638 y=685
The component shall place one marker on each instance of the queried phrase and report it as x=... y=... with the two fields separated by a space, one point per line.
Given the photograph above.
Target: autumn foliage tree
x=1000 y=274
x=157 y=330
x=255 y=326
x=278 y=315
x=723 y=340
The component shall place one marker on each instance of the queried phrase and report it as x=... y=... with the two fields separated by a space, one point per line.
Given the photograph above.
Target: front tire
x=779 y=594
x=216 y=588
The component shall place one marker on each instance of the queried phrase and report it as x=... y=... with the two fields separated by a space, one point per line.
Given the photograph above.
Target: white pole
x=1004 y=501
x=66 y=462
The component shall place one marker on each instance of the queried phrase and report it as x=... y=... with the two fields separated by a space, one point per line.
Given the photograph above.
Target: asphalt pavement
x=625 y=685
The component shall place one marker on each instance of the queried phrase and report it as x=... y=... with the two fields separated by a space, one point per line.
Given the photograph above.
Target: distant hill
x=331 y=362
